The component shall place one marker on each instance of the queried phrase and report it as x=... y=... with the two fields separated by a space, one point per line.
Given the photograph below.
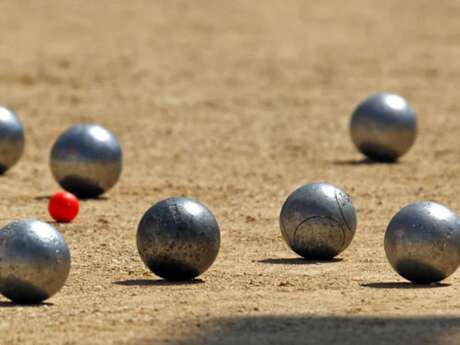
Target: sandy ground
x=235 y=103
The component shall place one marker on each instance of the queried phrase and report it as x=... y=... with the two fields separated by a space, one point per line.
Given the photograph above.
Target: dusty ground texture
x=235 y=103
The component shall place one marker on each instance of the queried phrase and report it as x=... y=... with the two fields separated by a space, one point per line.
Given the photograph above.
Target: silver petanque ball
x=34 y=261
x=318 y=221
x=422 y=242
x=86 y=160
x=178 y=238
x=383 y=127
x=11 y=139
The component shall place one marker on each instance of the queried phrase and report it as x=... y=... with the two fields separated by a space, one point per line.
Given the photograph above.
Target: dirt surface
x=235 y=103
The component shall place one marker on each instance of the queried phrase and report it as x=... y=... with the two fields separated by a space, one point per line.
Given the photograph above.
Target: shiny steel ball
x=11 y=139
x=318 y=221
x=34 y=261
x=178 y=238
x=422 y=242
x=86 y=160
x=383 y=127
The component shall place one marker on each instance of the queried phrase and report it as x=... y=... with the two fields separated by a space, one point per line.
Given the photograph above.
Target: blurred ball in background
x=86 y=160
x=11 y=139
x=383 y=127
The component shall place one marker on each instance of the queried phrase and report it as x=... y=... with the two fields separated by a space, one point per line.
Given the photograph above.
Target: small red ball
x=63 y=206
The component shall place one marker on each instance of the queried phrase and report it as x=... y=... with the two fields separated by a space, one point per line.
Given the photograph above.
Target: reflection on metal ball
x=86 y=160
x=422 y=242
x=34 y=261
x=383 y=127
x=11 y=139
x=178 y=238
x=318 y=221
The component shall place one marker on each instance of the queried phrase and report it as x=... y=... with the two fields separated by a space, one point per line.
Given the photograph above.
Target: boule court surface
x=235 y=104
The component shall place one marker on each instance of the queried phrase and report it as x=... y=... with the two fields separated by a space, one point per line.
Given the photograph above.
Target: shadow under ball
x=34 y=261
x=383 y=127
x=318 y=221
x=11 y=139
x=86 y=160
x=422 y=242
x=178 y=238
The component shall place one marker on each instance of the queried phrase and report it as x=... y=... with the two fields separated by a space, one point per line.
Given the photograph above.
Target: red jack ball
x=63 y=207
